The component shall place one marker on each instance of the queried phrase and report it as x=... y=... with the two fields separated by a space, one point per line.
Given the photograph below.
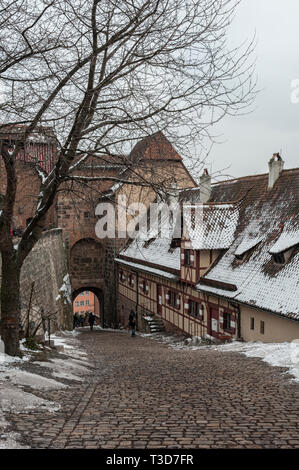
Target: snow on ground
x=12 y=380
x=36 y=381
x=71 y=370
x=276 y=354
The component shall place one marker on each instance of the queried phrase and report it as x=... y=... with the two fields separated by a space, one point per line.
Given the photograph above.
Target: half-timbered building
x=233 y=273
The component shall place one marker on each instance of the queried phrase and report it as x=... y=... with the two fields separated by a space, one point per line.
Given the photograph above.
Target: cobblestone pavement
x=142 y=394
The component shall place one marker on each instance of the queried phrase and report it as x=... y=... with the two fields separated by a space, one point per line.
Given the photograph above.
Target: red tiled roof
x=155 y=147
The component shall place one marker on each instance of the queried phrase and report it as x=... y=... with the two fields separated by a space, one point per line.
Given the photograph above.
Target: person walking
x=91 y=320
x=132 y=323
x=75 y=320
x=82 y=320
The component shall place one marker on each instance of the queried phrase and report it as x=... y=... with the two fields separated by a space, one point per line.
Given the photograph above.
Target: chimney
x=275 y=168
x=205 y=186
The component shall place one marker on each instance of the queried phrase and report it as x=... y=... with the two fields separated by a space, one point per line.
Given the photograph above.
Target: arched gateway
x=87 y=270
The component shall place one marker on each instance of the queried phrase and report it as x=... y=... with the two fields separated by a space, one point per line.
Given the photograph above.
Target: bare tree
x=101 y=74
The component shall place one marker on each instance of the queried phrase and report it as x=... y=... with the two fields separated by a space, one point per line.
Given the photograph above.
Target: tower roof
x=155 y=147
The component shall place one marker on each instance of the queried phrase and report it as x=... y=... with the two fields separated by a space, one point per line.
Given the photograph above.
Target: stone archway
x=87 y=264
x=87 y=269
x=98 y=293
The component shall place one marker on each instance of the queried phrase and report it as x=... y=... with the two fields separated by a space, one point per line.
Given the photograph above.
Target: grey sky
x=249 y=141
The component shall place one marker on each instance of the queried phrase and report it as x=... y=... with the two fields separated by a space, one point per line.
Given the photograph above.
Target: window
x=278 y=258
x=175 y=243
x=87 y=302
x=187 y=257
x=86 y=215
x=122 y=276
x=87 y=292
x=82 y=302
x=77 y=303
x=145 y=287
x=226 y=321
x=82 y=293
x=195 y=309
x=131 y=280
x=252 y=323
x=173 y=299
x=262 y=328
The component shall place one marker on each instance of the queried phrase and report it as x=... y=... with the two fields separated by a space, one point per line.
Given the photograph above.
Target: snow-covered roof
x=211 y=227
x=263 y=222
x=287 y=240
x=259 y=280
x=247 y=244
x=147 y=269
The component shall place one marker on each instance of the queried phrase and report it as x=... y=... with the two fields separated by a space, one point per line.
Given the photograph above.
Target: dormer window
x=284 y=247
x=246 y=247
x=278 y=258
x=175 y=243
x=148 y=242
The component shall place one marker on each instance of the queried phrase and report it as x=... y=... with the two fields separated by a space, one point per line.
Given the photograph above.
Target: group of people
x=80 y=320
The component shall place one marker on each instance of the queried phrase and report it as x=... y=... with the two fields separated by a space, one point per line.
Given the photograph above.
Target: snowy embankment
x=13 y=378
x=276 y=354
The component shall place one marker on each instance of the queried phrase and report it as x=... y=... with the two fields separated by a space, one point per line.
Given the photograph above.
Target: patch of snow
x=140 y=267
x=15 y=400
x=65 y=369
x=276 y=354
x=284 y=242
x=66 y=289
x=22 y=377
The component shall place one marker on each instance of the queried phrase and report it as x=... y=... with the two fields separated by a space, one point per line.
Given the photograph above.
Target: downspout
x=237 y=307
x=115 y=282
x=239 y=322
x=137 y=298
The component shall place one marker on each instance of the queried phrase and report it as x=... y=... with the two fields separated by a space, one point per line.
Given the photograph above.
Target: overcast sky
x=250 y=141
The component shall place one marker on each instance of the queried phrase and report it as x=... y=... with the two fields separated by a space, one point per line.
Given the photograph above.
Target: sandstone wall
x=47 y=267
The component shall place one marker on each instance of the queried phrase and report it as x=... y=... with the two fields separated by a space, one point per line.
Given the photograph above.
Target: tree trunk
x=10 y=304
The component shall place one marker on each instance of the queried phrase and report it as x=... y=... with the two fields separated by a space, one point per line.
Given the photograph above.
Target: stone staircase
x=155 y=324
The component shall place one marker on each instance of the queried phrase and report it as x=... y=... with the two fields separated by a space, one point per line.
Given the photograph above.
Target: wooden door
x=213 y=322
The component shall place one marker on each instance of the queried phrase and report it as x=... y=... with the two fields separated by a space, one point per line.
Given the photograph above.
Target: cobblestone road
x=142 y=394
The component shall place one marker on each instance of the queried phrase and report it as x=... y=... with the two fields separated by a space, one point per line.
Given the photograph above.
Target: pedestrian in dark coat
x=91 y=320
x=132 y=323
x=75 y=320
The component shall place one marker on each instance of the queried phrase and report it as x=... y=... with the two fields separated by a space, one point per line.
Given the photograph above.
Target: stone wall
x=47 y=267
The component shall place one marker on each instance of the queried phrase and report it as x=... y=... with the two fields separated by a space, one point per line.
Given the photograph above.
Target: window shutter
x=200 y=312
x=221 y=320
x=233 y=326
